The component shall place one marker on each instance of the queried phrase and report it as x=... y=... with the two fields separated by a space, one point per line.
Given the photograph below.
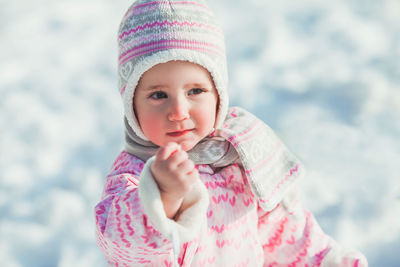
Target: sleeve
x=292 y=237
x=131 y=225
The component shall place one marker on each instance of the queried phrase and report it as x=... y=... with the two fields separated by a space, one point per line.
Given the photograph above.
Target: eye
x=196 y=91
x=158 y=95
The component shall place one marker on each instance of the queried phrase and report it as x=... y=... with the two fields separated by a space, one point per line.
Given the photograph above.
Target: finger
x=193 y=175
x=165 y=152
x=178 y=158
x=187 y=166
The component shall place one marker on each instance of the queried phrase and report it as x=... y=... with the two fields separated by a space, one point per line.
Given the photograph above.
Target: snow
x=324 y=74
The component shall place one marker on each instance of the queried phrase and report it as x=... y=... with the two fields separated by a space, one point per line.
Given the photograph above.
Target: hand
x=175 y=175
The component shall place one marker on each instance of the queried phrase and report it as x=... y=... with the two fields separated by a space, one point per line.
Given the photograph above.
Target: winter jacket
x=222 y=223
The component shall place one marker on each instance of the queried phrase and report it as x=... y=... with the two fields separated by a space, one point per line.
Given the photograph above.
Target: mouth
x=179 y=133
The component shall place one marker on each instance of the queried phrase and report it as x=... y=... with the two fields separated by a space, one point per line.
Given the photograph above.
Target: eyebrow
x=201 y=85
x=155 y=87
x=192 y=85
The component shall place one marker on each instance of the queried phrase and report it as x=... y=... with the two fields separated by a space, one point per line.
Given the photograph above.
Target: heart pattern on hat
x=126 y=70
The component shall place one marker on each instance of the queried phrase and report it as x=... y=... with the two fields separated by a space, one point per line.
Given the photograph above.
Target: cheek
x=207 y=118
x=150 y=124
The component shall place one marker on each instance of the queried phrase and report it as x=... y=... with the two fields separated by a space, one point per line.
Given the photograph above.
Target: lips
x=179 y=133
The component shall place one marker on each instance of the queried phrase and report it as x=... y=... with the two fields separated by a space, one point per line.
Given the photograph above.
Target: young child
x=199 y=184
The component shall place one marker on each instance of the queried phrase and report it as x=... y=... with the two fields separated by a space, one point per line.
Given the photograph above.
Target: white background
x=324 y=74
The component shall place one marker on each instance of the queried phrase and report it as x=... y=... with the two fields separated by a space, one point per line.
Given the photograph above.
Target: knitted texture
x=237 y=233
x=249 y=215
x=154 y=32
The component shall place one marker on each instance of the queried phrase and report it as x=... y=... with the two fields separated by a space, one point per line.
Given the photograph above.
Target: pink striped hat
x=154 y=32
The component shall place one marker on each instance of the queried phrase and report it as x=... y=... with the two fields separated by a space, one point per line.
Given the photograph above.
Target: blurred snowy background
x=324 y=74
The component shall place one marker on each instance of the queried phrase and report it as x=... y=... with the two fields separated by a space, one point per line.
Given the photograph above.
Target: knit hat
x=154 y=32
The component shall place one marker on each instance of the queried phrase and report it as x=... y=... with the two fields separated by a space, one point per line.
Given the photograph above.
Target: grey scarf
x=214 y=151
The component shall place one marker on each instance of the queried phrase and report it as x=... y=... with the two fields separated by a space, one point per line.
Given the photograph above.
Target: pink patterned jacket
x=222 y=222
x=237 y=232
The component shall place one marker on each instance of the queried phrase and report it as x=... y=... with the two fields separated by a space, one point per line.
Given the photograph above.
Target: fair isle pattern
x=145 y=7
x=238 y=231
x=153 y=32
x=167 y=44
x=161 y=25
x=270 y=167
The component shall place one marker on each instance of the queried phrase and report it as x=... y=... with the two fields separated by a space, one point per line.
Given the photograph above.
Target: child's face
x=176 y=102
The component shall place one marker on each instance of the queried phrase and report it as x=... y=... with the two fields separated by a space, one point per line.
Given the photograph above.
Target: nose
x=179 y=110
